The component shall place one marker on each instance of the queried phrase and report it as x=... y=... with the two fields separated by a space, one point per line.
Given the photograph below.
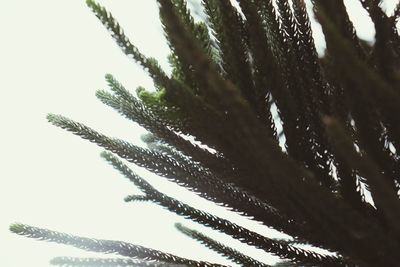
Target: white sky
x=53 y=57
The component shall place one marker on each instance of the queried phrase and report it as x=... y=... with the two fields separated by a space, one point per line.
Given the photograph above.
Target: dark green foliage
x=228 y=252
x=335 y=182
x=112 y=262
x=104 y=246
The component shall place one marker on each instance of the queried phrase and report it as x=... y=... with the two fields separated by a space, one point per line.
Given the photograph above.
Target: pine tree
x=330 y=178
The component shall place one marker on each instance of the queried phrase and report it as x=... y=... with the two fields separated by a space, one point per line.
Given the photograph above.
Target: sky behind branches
x=53 y=57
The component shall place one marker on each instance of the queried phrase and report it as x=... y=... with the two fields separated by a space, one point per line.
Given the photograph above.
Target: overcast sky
x=53 y=57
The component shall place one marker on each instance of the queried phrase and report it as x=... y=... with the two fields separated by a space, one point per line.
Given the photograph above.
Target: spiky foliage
x=235 y=75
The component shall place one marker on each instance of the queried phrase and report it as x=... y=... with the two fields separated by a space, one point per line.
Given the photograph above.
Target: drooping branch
x=108 y=262
x=278 y=247
x=226 y=251
x=105 y=246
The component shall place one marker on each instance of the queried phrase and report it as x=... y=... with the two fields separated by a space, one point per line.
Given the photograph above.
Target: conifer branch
x=229 y=30
x=108 y=262
x=136 y=198
x=181 y=70
x=309 y=57
x=386 y=51
x=163 y=127
x=342 y=23
x=217 y=89
x=370 y=94
x=157 y=145
x=302 y=126
x=127 y=47
x=314 y=149
x=279 y=248
x=209 y=186
x=175 y=90
x=195 y=177
x=287 y=20
x=104 y=246
x=135 y=111
x=385 y=199
x=303 y=23
x=246 y=126
x=274 y=32
x=267 y=82
x=227 y=252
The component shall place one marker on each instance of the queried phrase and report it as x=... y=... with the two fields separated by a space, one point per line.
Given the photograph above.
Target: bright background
x=53 y=57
